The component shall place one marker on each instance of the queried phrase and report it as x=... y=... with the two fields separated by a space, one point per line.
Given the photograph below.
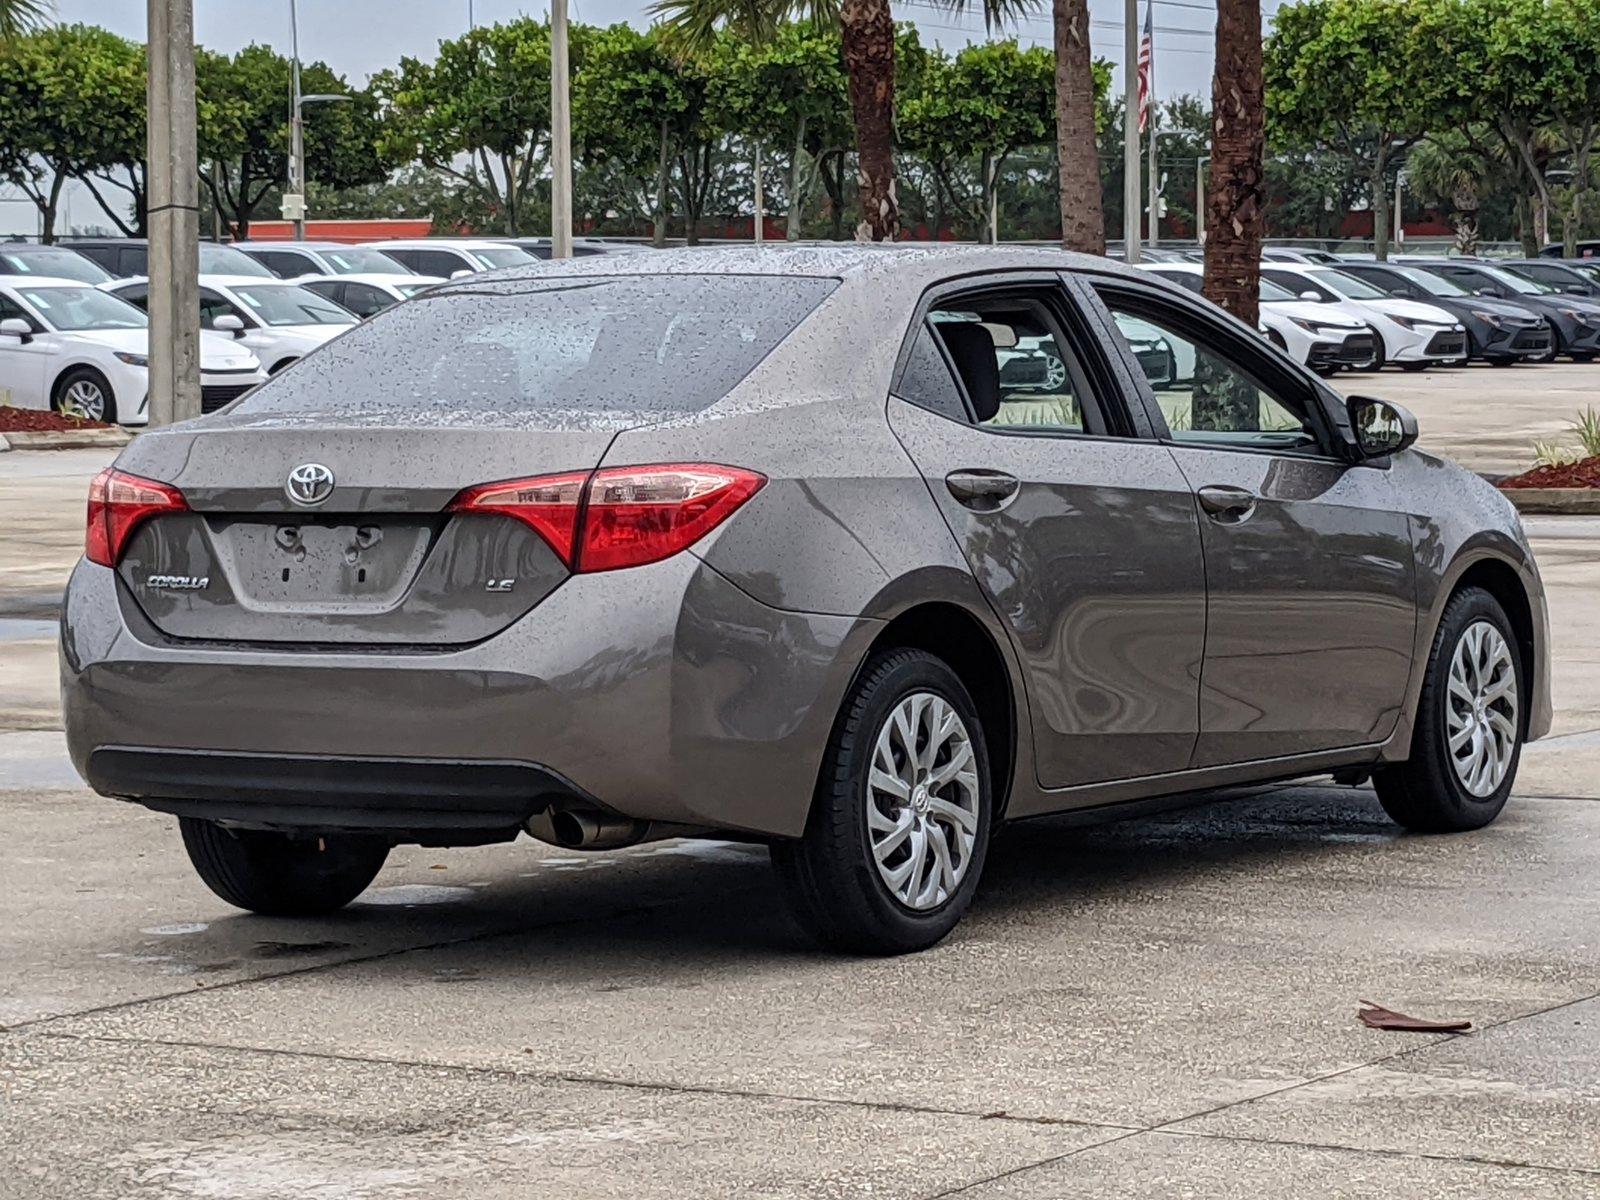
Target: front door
x=1083 y=537
x=24 y=374
x=1309 y=565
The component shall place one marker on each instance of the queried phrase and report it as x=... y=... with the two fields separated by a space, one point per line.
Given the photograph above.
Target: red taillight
x=620 y=516
x=118 y=504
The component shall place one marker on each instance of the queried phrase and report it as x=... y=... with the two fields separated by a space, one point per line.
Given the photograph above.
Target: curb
x=66 y=439
x=1548 y=501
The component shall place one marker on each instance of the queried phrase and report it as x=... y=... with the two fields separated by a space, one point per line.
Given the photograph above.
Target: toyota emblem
x=309 y=484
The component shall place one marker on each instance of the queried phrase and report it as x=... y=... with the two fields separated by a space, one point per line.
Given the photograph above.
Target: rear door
x=1310 y=577
x=1082 y=534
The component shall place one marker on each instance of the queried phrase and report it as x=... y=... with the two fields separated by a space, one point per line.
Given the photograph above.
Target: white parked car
x=1410 y=334
x=367 y=295
x=448 y=258
x=277 y=320
x=1322 y=339
x=67 y=346
x=299 y=260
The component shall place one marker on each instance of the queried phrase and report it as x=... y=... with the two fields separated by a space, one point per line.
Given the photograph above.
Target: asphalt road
x=1161 y=1007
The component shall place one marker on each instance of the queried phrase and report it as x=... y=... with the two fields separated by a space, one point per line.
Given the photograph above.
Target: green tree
x=244 y=144
x=480 y=112
x=1341 y=76
x=787 y=92
x=635 y=109
x=986 y=102
x=71 y=106
x=868 y=42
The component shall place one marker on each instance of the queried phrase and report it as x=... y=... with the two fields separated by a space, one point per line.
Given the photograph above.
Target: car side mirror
x=1308 y=294
x=1577 y=289
x=463 y=273
x=18 y=328
x=228 y=323
x=1380 y=428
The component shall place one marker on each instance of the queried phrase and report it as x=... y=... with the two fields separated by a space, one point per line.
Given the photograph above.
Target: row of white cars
x=78 y=344
x=1330 y=320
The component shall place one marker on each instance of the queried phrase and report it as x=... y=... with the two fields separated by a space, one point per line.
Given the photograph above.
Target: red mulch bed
x=1585 y=474
x=33 y=420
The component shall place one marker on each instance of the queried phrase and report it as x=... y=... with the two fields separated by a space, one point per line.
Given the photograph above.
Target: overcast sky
x=358 y=37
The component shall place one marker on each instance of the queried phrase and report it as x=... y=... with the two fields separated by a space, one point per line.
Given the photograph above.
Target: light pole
x=560 y=135
x=171 y=168
x=1130 y=130
x=1200 y=198
x=294 y=200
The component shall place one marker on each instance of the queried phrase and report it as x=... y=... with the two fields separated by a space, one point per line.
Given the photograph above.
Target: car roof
x=1183 y=268
x=381 y=278
x=245 y=281
x=910 y=265
x=457 y=243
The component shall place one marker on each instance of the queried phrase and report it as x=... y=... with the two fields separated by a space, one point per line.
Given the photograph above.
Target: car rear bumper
x=662 y=693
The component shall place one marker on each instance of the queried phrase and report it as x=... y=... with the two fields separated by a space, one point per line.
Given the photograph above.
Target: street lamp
x=1200 y=198
x=294 y=201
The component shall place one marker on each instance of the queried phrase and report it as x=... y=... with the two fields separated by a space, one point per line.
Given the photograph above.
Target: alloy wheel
x=922 y=801
x=1481 y=709
x=84 y=399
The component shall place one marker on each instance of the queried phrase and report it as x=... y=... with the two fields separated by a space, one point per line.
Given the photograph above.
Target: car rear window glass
x=640 y=344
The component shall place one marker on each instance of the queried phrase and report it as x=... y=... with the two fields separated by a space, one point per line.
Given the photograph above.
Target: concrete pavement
x=1157 y=1007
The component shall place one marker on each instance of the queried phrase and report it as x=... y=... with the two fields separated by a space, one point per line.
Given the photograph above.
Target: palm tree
x=18 y=17
x=866 y=30
x=1236 y=195
x=1083 y=225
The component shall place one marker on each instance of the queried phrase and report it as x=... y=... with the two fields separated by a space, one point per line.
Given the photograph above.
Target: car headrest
x=972 y=350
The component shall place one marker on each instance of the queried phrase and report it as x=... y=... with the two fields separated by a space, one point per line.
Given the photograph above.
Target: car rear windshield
x=363 y=260
x=640 y=344
x=60 y=264
x=225 y=260
x=290 y=304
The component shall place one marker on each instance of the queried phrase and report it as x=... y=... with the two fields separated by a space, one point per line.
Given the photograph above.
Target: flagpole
x=1150 y=107
x=1130 y=131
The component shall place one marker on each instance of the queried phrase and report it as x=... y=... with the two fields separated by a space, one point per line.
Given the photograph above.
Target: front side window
x=214 y=305
x=1346 y=284
x=1302 y=287
x=443 y=263
x=285 y=264
x=11 y=310
x=607 y=345
x=1206 y=394
x=365 y=300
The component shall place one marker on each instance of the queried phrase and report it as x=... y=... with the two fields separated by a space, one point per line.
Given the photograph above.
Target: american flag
x=1145 y=52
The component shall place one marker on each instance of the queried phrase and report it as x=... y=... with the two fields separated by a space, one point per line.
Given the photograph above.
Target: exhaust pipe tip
x=586 y=829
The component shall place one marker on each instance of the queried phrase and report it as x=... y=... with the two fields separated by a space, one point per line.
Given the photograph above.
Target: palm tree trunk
x=867 y=32
x=1235 y=200
x=1083 y=224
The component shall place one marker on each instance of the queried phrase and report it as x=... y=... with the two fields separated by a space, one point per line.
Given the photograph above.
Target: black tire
x=281 y=364
x=1502 y=362
x=1380 y=352
x=1582 y=356
x=829 y=875
x=1416 y=366
x=1424 y=793
x=86 y=376
x=279 y=876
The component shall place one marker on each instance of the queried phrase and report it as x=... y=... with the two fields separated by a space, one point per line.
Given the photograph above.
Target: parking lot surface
x=1158 y=1007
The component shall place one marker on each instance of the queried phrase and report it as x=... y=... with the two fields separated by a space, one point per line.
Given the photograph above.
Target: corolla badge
x=309 y=484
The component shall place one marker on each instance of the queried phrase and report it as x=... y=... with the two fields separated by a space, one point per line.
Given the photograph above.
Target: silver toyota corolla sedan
x=856 y=552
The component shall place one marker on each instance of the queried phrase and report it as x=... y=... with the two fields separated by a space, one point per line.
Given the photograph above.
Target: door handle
x=1225 y=503
x=982 y=489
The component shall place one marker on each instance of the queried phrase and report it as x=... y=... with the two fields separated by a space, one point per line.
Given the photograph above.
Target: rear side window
x=926 y=380
x=641 y=344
